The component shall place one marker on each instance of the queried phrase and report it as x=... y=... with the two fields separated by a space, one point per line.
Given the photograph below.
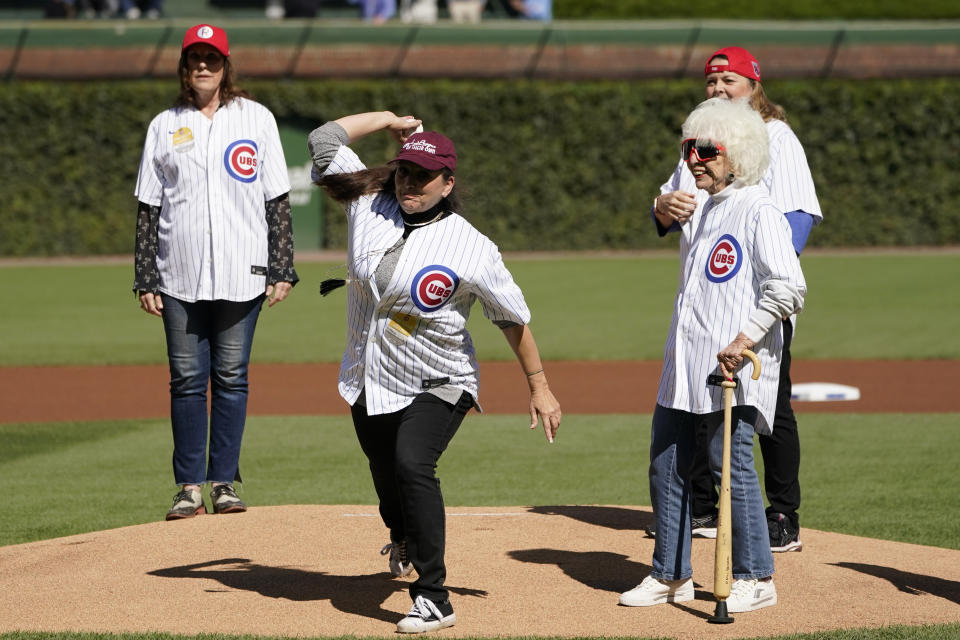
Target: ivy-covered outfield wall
x=545 y=165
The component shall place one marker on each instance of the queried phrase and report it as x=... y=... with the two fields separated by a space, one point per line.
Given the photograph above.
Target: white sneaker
x=425 y=616
x=653 y=591
x=750 y=595
x=399 y=565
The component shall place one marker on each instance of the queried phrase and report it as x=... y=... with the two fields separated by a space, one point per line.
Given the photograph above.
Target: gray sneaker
x=225 y=500
x=186 y=504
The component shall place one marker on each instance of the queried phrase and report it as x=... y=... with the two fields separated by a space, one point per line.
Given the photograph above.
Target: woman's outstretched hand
x=545 y=408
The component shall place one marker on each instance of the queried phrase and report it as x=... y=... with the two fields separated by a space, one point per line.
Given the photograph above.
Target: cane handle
x=756 y=363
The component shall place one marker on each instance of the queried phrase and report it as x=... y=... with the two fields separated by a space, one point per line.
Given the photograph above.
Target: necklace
x=425 y=223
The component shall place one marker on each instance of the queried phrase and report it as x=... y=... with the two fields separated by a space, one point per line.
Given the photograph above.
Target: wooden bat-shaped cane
x=723 y=560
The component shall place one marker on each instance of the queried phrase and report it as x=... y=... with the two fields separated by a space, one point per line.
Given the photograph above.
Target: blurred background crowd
x=373 y=11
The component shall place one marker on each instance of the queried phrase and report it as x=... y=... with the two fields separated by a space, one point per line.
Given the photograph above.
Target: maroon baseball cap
x=739 y=61
x=429 y=150
x=207 y=34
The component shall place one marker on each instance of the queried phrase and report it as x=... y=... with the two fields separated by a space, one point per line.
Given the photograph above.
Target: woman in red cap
x=415 y=267
x=733 y=73
x=214 y=241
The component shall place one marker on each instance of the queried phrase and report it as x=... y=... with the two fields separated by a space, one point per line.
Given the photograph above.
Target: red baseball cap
x=429 y=150
x=207 y=34
x=739 y=61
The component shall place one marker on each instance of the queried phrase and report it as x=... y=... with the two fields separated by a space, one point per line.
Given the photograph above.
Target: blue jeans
x=208 y=340
x=672 y=447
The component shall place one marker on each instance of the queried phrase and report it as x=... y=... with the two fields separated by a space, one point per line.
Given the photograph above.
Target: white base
x=824 y=392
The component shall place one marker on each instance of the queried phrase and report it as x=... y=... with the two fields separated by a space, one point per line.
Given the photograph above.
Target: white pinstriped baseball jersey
x=211 y=179
x=787 y=179
x=731 y=257
x=415 y=329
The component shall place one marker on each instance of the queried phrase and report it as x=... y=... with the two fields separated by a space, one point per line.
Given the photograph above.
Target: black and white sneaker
x=783 y=536
x=427 y=615
x=225 y=500
x=703 y=527
x=399 y=565
x=186 y=504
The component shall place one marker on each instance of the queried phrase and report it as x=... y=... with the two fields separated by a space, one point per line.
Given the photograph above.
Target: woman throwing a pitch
x=409 y=371
x=739 y=277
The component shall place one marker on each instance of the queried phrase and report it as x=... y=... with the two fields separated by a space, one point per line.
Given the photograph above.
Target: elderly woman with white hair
x=739 y=277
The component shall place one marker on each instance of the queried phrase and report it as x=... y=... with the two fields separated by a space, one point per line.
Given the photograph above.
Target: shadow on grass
x=361 y=595
x=619 y=518
x=913 y=583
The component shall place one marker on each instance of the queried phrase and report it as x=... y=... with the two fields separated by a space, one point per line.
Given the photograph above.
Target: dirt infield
x=513 y=571
x=52 y=394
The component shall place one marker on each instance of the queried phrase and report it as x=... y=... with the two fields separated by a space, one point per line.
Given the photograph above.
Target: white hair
x=734 y=125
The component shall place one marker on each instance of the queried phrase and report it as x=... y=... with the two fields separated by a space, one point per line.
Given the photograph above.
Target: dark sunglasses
x=702 y=151
x=211 y=58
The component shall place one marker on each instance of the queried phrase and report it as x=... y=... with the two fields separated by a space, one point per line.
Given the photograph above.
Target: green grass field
x=864 y=306
x=883 y=476
x=866 y=475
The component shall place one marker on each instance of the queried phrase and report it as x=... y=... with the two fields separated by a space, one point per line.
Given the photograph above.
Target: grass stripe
x=875 y=475
x=859 y=306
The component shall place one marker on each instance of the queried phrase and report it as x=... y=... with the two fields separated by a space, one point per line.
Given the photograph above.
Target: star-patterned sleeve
x=280 y=241
x=146 y=275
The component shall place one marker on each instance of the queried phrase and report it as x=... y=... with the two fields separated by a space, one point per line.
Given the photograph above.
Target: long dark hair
x=347 y=187
x=228 y=89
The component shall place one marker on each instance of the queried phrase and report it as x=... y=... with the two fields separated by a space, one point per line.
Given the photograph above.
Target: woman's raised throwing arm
x=359 y=125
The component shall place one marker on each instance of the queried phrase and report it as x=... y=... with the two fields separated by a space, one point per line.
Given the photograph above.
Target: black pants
x=780 y=451
x=403 y=449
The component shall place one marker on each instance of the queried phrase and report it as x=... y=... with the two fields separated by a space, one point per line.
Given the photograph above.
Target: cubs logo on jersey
x=433 y=286
x=240 y=160
x=726 y=258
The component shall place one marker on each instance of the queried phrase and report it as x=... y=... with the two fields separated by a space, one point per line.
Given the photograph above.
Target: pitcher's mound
x=512 y=571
